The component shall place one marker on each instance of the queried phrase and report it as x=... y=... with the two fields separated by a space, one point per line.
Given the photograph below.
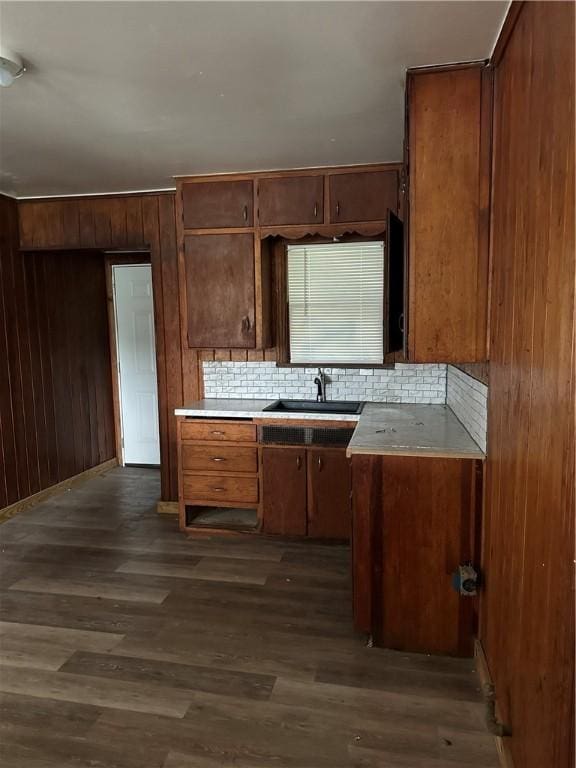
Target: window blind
x=336 y=302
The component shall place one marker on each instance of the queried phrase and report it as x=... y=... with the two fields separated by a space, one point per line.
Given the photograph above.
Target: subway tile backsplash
x=468 y=399
x=405 y=383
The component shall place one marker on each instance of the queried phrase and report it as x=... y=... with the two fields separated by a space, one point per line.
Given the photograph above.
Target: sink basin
x=312 y=406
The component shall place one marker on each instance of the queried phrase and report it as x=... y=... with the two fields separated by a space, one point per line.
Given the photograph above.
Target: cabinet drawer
x=220 y=488
x=232 y=432
x=214 y=458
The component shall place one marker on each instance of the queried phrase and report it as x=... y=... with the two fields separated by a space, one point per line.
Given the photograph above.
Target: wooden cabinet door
x=425 y=529
x=284 y=491
x=291 y=200
x=449 y=139
x=362 y=196
x=329 y=508
x=217 y=204
x=219 y=272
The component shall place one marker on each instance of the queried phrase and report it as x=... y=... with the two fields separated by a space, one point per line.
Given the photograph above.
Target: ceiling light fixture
x=11 y=67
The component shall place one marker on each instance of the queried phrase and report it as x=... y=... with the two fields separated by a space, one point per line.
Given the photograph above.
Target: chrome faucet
x=320 y=382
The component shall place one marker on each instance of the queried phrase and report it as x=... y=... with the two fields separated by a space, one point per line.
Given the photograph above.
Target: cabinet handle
x=320 y=463
x=245 y=213
x=401 y=322
x=217 y=458
x=315 y=210
x=298 y=462
x=216 y=432
x=246 y=324
x=337 y=208
x=217 y=488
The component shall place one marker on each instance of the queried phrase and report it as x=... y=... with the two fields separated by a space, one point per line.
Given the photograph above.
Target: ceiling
x=122 y=96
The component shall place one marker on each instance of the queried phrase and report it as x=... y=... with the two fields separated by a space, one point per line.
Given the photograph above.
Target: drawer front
x=230 y=431
x=220 y=488
x=214 y=458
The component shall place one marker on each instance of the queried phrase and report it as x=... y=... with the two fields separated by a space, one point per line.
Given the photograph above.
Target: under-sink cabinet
x=306 y=492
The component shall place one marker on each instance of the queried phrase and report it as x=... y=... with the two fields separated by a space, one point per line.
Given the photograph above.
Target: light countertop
x=412 y=430
x=382 y=429
x=218 y=408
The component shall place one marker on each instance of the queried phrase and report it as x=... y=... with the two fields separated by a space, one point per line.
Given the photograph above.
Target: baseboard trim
x=53 y=490
x=483 y=671
x=167 y=507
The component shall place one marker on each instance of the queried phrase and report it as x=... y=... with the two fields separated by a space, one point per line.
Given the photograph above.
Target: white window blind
x=336 y=302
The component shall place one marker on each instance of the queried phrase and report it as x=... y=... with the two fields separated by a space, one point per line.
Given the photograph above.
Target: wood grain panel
x=449 y=146
x=527 y=611
x=55 y=383
x=140 y=222
x=412 y=526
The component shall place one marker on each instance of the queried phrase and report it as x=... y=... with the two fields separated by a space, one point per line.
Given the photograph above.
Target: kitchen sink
x=313 y=406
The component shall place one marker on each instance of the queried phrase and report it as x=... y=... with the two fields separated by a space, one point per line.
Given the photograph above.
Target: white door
x=136 y=351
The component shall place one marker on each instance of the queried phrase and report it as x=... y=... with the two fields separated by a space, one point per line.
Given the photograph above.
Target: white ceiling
x=124 y=95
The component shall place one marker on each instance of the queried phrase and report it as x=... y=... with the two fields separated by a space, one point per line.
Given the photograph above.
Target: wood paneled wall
x=127 y=222
x=55 y=386
x=527 y=612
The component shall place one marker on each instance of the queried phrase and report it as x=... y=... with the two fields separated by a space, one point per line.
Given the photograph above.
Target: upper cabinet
x=220 y=301
x=218 y=204
x=362 y=196
x=291 y=200
x=448 y=164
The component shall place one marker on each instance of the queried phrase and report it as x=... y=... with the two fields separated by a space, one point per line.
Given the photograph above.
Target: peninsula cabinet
x=448 y=175
x=415 y=520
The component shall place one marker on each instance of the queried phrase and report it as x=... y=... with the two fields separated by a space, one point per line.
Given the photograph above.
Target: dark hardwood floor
x=125 y=645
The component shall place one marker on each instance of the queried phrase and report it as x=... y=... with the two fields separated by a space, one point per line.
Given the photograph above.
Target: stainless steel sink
x=313 y=406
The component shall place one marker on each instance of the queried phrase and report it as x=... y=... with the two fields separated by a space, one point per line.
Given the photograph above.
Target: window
x=336 y=302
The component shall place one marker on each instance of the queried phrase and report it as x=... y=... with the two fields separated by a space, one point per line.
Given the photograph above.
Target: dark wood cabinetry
x=220 y=299
x=284 y=491
x=218 y=204
x=291 y=200
x=449 y=171
x=363 y=196
x=329 y=513
x=414 y=522
x=306 y=492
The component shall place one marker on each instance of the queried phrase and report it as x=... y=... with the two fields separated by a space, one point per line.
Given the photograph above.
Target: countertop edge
x=433 y=453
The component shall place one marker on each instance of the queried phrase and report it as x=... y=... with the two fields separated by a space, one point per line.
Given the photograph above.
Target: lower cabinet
x=284 y=491
x=306 y=492
x=329 y=513
x=415 y=520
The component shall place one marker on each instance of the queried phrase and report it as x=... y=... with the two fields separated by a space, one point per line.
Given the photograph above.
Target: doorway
x=136 y=363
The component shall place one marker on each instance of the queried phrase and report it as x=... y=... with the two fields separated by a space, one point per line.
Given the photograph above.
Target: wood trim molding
x=320 y=170
x=485 y=678
x=506 y=32
x=167 y=508
x=54 y=490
